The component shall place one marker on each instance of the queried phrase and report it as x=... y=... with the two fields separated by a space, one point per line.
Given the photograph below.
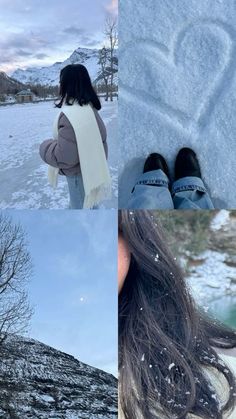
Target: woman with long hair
x=170 y=353
x=79 y=148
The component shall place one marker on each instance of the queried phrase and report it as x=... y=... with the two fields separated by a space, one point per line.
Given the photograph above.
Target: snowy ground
x=213 y=284
x=211 y=277
x=178 y=88
x=212 y=273
x=23 y=175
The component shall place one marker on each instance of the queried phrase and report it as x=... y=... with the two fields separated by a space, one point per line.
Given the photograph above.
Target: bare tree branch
x=112 y=36
x=15 y=271
x=107 y=58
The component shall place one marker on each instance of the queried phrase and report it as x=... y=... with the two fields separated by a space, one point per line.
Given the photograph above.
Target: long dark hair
x=75 y=85
x=166 y=344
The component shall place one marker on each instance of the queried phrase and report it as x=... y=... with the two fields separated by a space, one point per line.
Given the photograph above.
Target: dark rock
x=37 y=381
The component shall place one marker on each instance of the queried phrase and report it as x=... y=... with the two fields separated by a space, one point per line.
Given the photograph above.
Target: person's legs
x=188 y=190
x=76 y=191
x=190 y=193
x=152 y=189
x=151 y=192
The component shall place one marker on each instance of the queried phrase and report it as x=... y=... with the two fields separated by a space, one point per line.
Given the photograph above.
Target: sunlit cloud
x=40 y=33
x=112 y=7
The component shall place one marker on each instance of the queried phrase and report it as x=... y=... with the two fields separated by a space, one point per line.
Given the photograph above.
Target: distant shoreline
x=115 y=95
x=25 y=103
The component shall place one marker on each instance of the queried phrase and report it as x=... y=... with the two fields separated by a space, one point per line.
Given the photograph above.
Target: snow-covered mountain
x=50 y=75
x=37 y=381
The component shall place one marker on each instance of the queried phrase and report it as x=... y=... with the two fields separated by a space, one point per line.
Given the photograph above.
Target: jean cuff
x=188 y=183
x=155 y=177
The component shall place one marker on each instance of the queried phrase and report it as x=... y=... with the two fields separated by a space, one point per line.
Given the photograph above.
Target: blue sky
x=74 y=287
x=41 y=32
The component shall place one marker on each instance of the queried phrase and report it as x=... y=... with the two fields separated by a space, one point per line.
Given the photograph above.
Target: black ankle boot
x=186 y=164
x=156 y=161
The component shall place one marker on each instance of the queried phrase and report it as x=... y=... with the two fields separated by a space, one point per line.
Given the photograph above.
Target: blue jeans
x=152 y=192
x=76 y=191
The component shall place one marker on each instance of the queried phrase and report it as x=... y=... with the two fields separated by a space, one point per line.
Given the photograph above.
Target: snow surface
x=212 y=278
x=23 y=174
x=178 y=88
x=220 y=220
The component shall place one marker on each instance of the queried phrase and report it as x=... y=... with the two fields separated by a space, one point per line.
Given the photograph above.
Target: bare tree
x=15 y=271
x=105 y=74
x=108 y=60
x=112 y=37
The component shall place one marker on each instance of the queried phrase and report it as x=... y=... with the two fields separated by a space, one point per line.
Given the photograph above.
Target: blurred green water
x=225 y=310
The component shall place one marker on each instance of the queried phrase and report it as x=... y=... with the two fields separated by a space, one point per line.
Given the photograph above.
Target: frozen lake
x=23 y=175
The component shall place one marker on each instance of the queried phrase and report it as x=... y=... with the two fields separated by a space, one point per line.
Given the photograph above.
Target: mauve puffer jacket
x=63 y=153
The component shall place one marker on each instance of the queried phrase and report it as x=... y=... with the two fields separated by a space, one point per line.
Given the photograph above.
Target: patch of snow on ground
x=47 y=398
x=23 y=175
x=177 y=73
x=212 y=279
x=220 y=220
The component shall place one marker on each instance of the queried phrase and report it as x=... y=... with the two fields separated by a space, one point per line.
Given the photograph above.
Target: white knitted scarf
x=93 y=163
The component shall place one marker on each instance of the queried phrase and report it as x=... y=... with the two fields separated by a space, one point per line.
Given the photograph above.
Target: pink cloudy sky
x=41 y=32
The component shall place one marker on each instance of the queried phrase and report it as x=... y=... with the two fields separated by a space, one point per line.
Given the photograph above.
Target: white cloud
x=52 y=28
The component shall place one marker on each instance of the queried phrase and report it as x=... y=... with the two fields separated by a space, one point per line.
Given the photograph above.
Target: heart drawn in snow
x=183 y=82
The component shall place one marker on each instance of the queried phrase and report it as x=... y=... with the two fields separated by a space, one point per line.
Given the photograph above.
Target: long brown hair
x=166 y=344
x=76 y=85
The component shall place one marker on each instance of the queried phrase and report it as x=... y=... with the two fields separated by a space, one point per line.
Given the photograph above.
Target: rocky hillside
x=39 y=382
x=9 y=85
